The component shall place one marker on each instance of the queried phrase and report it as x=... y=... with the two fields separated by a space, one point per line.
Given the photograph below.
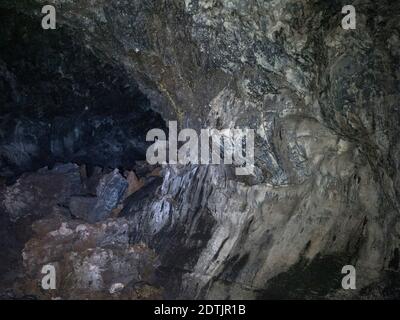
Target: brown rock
x=92 y=261
x=155 y=173
x=134 y=183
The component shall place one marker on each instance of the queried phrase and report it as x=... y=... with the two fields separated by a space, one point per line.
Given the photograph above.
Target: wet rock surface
x=324 y=104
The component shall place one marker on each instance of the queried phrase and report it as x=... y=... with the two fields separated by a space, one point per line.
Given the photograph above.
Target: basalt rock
x=91 y=261
x=48 y=82
x=110 y=191
x=324 y=104
x=43 y=192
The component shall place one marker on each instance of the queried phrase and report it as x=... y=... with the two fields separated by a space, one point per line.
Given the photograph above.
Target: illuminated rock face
x=324 y=104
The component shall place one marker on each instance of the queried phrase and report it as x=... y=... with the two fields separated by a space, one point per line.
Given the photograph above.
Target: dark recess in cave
x=60 y=103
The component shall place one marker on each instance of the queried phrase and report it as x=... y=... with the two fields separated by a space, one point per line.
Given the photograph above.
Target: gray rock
x=38 y=194
x=110 y=191
x=82 y=206
x=324 y=102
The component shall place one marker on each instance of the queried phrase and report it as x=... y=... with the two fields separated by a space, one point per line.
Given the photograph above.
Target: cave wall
x=324 y=102
x=62 y=103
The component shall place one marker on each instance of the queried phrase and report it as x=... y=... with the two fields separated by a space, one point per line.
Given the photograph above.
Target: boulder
x=134 y=183
x=92 y=261
x=38 y=194
x=81 y=206
x=110 y=191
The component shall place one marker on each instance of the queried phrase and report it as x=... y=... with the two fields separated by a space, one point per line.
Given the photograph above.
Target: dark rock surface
x=81 y=206
x=110 y=191
x=324 y=104
x=40 y=193
x=48 y=112
x=47 y=217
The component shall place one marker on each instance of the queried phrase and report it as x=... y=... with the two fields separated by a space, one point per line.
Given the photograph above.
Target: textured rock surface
x=40 y=193
x=110 y=191
x=324 y=102
x=92 y=261
x=47 y=218
x=61 y=103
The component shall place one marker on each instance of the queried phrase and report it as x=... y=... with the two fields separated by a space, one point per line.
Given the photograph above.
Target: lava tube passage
x=199 y=151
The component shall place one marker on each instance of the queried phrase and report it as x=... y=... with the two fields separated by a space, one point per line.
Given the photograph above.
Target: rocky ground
x=76 y=226
x=324 y=103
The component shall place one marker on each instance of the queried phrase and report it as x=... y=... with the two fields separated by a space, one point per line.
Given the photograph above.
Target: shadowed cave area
x=60 y=103
x=68 y=121
x=76 y=191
